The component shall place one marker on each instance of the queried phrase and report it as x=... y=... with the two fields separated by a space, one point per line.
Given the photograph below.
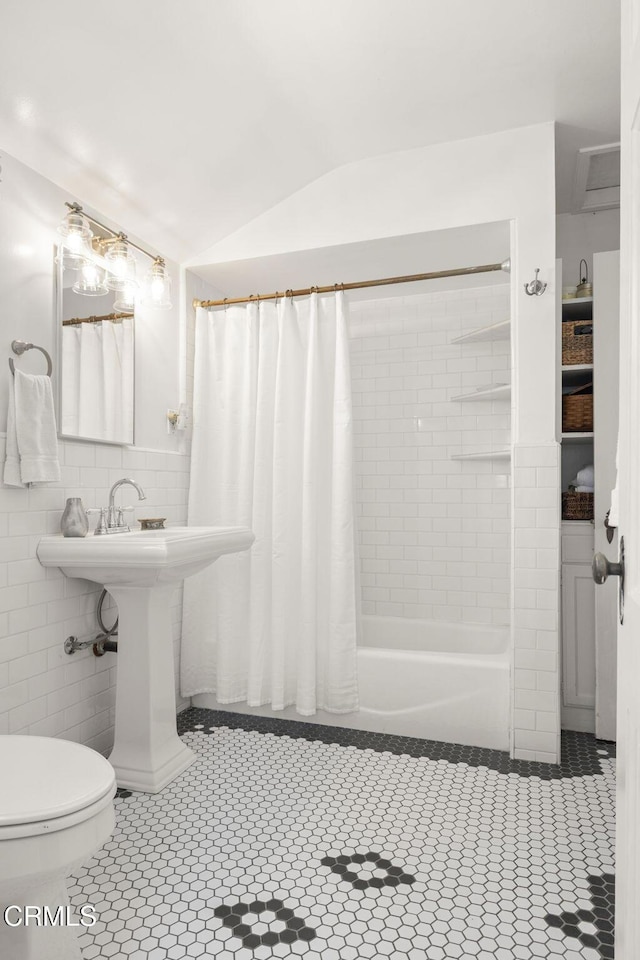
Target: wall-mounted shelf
x=577 y=368
x=579 y=308
x=483 y=455
x=576 y=437
x=498 y=391
x=496 y=331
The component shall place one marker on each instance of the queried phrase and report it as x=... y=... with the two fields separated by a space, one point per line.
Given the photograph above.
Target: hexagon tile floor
x=290 y=839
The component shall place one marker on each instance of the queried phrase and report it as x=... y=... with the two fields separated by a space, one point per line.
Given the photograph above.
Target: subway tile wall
x=43 y=690
x=536 y=663
x=434 y=533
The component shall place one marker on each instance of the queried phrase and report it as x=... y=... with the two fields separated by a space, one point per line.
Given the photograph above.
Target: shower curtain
x=97 y=386
x=272 y=450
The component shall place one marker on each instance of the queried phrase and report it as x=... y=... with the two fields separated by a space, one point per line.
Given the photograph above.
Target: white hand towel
x=12 y=476
x=614 y=520
x=32 y=434
x=586 y=476
x=583 y=489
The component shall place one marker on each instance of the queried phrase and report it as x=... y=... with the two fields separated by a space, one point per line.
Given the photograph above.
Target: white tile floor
x=275 y=845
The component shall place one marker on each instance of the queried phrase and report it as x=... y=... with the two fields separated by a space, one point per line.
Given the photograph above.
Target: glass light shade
x=76 y=234
x=125 y=302
x=91 y=282
x=75 y=224
x=121 y=265
x=158 y=286
x=73 y=258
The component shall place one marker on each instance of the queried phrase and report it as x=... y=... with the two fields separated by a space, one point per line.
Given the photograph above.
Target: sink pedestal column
x=147 y=753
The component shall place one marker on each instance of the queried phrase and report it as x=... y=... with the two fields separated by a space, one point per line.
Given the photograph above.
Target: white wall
x=505 y=176
x=434 y=532
x=42 y=690
x=581 y=235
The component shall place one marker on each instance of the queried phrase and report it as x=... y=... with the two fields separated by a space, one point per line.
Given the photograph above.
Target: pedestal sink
x=140 y=570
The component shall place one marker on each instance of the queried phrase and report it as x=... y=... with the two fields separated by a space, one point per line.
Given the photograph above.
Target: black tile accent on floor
x=592 y=928
x=581 y=752
x=281 y=922
x=395 y=875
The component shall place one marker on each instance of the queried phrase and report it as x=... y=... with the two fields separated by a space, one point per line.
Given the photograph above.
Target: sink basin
x=141 y=570
x=142 y=557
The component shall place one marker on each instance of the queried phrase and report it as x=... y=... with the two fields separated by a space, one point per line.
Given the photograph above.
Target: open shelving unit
x=497 y=391
x=483 y=455
x=577 y=446
x=495 y=331
x=489 y=391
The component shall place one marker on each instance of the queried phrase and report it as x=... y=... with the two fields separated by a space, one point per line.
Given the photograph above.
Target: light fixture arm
x=77 y=208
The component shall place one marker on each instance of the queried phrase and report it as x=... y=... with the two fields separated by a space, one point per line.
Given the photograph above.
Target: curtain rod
x=438 y=275
x=114 y=317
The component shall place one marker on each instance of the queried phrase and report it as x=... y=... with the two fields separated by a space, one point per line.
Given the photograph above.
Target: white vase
x=74 y=521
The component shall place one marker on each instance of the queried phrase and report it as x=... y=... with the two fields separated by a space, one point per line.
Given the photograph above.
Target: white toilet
x=56 y=811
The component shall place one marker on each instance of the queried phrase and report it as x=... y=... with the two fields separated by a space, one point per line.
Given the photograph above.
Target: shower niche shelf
x=496 y=391
x=495 y=331
x=483 y=455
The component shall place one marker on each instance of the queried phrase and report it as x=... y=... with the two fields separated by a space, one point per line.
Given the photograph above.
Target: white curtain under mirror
x=96 y=350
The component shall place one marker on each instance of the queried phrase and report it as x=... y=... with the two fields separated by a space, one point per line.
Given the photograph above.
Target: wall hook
x=535 y=288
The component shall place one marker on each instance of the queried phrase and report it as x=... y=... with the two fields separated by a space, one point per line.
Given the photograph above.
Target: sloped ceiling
x=185 y=120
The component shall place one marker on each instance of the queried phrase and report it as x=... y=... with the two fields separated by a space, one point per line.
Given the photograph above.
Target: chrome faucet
x=111 y=518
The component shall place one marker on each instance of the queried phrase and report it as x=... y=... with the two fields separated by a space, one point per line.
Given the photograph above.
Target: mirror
x=96 y=363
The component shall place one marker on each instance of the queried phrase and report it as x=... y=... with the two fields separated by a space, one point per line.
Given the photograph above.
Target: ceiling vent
x=597 y=180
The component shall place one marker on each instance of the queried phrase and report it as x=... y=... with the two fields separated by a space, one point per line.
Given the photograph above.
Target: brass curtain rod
x=114 y=317
x=437 y=275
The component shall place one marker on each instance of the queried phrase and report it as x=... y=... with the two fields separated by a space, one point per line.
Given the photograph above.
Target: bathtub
x=435 y=680
x=422 y=678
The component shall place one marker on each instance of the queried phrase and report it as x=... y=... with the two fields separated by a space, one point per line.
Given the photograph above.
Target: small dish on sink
x=152 y=523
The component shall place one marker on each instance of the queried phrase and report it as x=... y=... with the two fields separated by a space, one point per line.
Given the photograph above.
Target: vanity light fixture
x=76 y=233
x=126 y=299
x=120 y=263
x=107 y=263
x=158 y=286
x=91 y=282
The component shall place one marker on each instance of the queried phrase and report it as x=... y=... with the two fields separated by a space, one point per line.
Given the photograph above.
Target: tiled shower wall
x=434 y=532
x=43 y=690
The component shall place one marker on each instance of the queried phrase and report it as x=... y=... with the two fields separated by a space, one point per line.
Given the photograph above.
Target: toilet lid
x=42 y=778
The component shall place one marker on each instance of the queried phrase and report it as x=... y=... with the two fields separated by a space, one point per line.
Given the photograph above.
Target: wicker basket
x=577 y=506
x=577 y=342
x=577 y=413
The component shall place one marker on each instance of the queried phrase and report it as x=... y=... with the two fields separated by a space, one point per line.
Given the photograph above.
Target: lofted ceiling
x=185 y=120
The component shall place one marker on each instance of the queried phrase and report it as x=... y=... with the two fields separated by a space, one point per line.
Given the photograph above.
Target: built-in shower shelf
x=495 y=391
x=496 y=331
x=483 y=455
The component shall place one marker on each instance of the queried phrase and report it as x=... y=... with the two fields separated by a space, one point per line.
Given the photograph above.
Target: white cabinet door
x=606 y=350
x=578 y=636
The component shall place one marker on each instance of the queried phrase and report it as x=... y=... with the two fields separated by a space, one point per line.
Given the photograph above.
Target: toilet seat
x=49 y=785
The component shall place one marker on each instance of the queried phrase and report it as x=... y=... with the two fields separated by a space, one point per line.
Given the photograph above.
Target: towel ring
x=21 y=346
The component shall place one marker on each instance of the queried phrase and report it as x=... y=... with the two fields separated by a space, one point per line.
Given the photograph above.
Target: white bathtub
x=435 y=680
x=422 y=678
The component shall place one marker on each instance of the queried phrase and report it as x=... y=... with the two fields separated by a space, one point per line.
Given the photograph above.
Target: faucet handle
x=120 y=517
x=101 y=526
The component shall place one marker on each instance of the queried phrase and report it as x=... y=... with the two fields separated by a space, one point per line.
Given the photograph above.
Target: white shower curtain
x=272 y=450
x=97 y=382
